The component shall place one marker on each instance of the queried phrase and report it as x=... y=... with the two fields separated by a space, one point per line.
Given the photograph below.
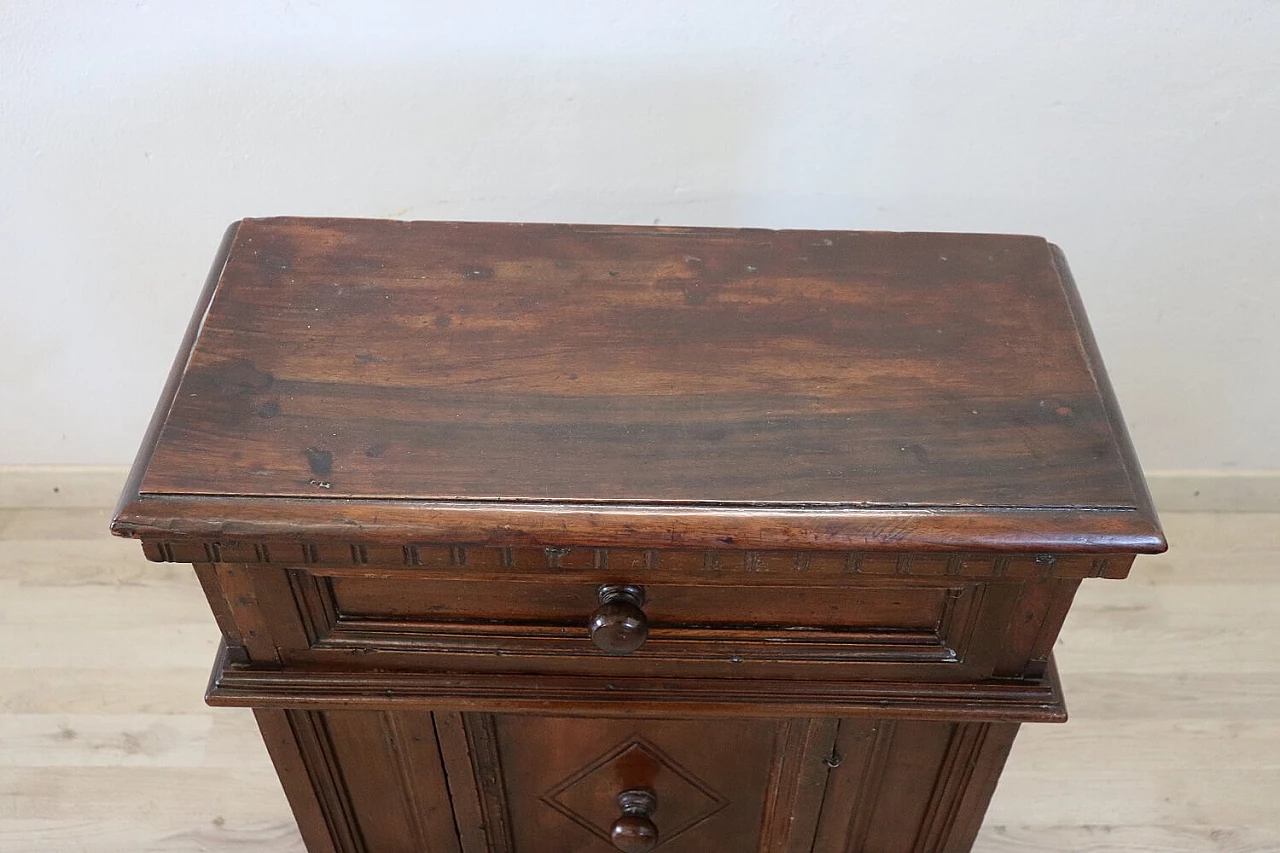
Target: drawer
x=886 y=629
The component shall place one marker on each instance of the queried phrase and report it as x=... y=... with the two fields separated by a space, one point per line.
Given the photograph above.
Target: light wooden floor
x=1172 y=678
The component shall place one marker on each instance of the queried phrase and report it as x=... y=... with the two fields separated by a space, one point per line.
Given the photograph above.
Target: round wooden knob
x=619 y=626
x=634 y=832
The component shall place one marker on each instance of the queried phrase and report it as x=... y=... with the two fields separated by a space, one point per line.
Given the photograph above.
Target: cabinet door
x=448 y=782
x=531 y=784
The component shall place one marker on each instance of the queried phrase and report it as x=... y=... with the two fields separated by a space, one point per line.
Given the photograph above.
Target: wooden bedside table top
x=518 y=383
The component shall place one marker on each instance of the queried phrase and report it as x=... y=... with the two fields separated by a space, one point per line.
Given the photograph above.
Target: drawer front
x=887 y=629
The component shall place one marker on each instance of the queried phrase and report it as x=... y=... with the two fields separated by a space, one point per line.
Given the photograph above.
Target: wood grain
x=616 y=379
x=561 y=777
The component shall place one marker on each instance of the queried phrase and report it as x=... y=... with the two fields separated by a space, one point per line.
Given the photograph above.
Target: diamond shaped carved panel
x=588 y=797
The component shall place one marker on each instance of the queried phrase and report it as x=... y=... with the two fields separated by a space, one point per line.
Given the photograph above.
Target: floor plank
x=1127 y=839
x=51 y=523
x=104 y=740
x=150 y=836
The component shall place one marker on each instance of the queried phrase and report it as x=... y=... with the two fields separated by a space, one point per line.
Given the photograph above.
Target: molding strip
x=366 y=560
x=239 y=685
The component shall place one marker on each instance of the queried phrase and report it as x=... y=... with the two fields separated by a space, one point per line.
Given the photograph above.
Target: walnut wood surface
x=859 y=477
x=886 y=631
x=711 y=779
x=371 y=781
x=507 y=383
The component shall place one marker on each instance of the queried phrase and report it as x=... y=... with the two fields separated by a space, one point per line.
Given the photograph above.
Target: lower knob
x=634 y=831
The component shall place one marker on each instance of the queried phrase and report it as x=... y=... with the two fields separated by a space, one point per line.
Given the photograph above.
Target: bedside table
x=548 y=538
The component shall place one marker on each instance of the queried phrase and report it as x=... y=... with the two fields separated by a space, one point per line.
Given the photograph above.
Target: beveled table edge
x=1003 y=529
x=1134 y=530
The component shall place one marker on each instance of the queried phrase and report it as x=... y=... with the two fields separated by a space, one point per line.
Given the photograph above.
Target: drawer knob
x=619 y=626
x=634 y=832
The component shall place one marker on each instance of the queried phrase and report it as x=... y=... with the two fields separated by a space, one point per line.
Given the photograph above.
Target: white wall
x=1143 y=137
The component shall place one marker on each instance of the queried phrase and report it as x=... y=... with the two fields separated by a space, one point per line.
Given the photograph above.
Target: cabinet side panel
x=474 y=776
x=311 y=791
x=1034 y=625
x=207 y=574
x=421 y=770
x=251 y=618
x=910 y=786
x=390 y=765
x=801 y=761
x=860 y=759
x=971 y=806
